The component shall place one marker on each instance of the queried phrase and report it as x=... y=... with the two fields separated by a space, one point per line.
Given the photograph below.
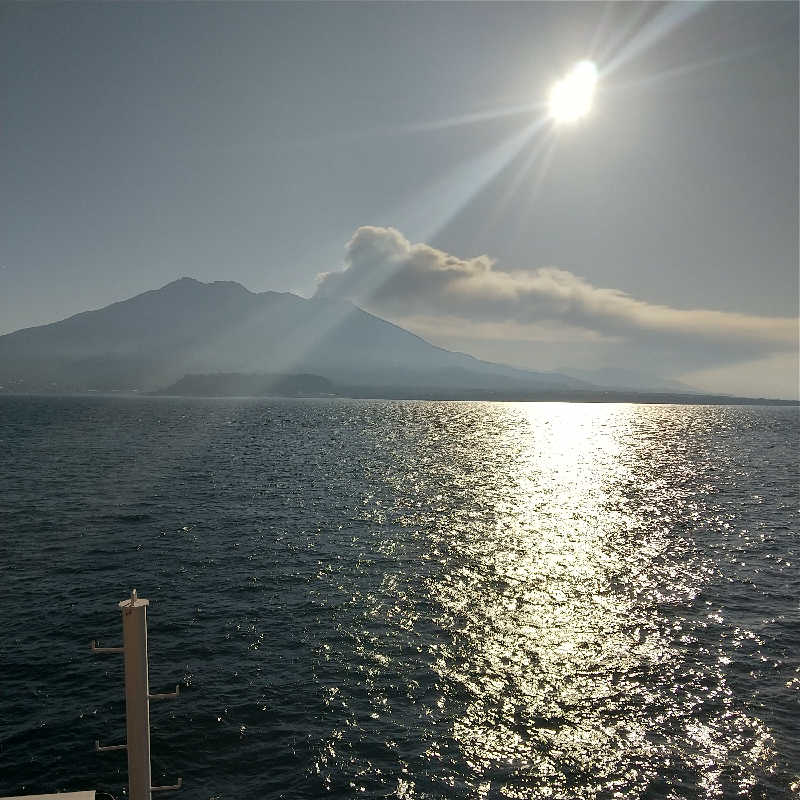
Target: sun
x=571 y=98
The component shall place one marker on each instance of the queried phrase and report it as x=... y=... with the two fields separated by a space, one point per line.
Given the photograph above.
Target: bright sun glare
x=571 y=98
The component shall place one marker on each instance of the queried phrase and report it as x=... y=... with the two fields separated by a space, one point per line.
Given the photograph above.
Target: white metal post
x=137 y=700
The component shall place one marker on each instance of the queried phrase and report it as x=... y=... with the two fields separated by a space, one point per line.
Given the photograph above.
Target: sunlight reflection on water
x=558 y=665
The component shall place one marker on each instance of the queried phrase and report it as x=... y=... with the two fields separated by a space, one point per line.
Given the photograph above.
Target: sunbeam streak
x=434 y=125
x=428 y=213
x=619 y=33
x=684 y=69
x=467 y=119
x=662 y=24
x=540 y=155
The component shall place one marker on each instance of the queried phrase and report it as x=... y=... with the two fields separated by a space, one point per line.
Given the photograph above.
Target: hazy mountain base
x=242 y=385
x=234 y=384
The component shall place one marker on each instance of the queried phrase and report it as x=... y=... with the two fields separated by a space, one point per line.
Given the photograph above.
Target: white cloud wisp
x=385 y=273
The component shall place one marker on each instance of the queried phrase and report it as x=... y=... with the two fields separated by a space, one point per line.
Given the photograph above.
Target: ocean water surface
x=404 y=599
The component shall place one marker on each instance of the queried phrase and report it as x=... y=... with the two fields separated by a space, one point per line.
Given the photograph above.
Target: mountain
x=636 y=380
x=187 y=327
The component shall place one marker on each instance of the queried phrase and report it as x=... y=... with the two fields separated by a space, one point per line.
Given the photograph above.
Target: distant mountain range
x=219 y=339
x=636 y=380
x=187 y=327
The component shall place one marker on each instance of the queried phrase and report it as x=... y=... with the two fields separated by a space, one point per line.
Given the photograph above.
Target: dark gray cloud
x=386 y=273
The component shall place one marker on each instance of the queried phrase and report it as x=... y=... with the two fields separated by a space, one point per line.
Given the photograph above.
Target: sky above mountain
x=401 y=155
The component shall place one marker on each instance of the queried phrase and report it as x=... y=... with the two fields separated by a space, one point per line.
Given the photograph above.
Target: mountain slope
x=155 y=338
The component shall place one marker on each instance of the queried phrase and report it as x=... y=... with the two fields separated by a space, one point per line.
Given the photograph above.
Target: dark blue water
x=399 y=599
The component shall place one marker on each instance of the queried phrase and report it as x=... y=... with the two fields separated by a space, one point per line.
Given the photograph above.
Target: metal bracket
x=167 y=788
x=167 y=695
x=99 y=749
x=95 y=649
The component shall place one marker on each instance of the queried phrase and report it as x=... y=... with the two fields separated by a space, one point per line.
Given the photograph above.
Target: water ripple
x=412 y=600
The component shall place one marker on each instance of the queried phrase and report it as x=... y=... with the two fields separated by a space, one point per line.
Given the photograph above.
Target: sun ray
x=670 y=17
x=602 y=26
x=427 y=213
x=467 y=119
x=635 y=13
x=541 y=152
x=682 y=70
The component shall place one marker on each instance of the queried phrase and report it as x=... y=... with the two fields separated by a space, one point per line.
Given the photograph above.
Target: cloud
x=387 y=274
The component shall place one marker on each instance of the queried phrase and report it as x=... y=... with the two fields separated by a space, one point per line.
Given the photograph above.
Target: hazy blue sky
x=250 y=142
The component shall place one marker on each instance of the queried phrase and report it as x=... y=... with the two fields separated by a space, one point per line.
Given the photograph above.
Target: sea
x=378 y=599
